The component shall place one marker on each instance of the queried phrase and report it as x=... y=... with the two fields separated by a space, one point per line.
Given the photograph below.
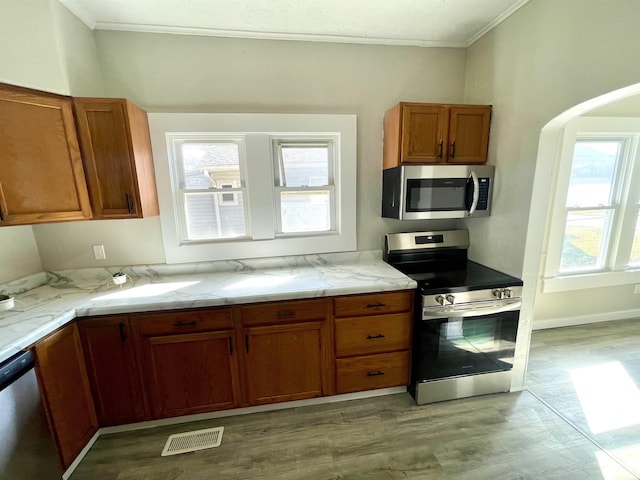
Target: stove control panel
x=471 y=296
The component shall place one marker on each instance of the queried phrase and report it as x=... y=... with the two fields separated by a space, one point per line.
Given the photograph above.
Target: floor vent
x=192 y=441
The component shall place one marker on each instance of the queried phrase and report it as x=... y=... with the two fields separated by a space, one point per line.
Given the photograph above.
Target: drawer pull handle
x=375 y=374
x=371 y=337
x=376 y=305
x=286 y=313
x=184 y=324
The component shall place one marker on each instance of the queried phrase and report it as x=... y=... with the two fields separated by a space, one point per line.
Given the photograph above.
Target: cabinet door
x=41 y=173
x=468 y=134
x=191 y=373
x=424 y=132
x=113 y=370
x=284 y=362
x=114 y=136
x=65 y=391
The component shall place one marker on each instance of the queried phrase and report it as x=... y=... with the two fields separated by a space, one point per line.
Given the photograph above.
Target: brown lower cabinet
x=189 y=361
x=284 y=362
x=65 y=391
x=372 y=340
x=112 y=365
x=156 y=365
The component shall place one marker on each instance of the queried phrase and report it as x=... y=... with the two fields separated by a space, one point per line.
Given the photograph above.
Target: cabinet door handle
x=128 y=197
x=440 y=148
x=184 y=324
x=375 y=374
x=230 y=346
x=371 y=337
x=376 y=305
x=123 y=332
x=286 y=313
x=453 y=150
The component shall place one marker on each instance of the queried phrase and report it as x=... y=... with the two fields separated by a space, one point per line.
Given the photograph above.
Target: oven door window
x=455 y=346
x=438 y=194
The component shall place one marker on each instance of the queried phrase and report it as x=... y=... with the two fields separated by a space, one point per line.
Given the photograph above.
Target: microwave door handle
x=476 y=193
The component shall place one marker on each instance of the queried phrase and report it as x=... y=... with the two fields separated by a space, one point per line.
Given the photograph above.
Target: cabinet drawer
x=182 y=322
x=373 y=304
x=276 y=312
x=372 y=371
x=381 y=333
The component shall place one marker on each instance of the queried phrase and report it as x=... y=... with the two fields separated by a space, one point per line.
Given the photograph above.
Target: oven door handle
x=473 y=311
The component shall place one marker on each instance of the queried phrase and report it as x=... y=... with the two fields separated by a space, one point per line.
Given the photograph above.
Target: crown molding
x=250 y=34
x=496 y=21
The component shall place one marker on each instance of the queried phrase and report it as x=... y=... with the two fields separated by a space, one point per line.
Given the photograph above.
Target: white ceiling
x=431 y=23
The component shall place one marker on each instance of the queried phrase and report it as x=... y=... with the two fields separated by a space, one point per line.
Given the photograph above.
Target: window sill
x=590 y=280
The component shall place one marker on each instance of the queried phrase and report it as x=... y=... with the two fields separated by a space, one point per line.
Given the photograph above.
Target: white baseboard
x=585 y=319
x=78 y=459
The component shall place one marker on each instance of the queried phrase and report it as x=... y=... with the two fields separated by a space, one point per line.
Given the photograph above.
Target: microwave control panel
x=483 y=193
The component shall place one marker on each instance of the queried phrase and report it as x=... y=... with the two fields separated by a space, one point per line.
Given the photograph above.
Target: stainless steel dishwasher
x=27 y=449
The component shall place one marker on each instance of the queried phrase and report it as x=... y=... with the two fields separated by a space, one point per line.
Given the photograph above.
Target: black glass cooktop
x=461 y=277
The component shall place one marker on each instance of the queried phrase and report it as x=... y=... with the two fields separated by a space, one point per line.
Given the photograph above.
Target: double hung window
x=243 y=186
x=304 y=188
x=595 y=231
x=208 y=173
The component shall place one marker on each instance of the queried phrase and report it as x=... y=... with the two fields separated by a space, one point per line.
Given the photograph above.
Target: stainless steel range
x=466 y=316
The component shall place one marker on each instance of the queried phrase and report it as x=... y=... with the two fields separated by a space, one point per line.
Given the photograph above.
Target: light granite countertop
x=48 y=300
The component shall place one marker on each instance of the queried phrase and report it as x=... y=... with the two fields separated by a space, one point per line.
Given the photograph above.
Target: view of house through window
x=207 y=169
x=304 y=186
x=235 y=186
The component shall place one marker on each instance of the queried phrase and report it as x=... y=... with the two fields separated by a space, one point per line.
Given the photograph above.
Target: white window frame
x=258 y=131
x=174 y=144
x=328 y=141
x=615 y=270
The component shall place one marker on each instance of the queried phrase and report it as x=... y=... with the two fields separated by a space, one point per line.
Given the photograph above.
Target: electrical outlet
x=636 y=289
x=99 y=253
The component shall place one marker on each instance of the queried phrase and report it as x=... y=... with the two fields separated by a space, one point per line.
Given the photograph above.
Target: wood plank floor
x=590 y=374
x=526 y=435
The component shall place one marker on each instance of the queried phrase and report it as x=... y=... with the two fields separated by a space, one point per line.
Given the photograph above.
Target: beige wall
x=547 y=57
x=29 y=47
x=189 y=73
x=76 y=53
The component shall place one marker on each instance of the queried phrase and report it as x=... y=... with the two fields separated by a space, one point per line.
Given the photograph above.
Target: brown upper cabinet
x=428 y=133
x=64 y=159
x=41 y=174
x=116 y=150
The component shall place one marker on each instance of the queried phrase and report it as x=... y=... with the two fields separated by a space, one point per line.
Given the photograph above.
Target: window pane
x=210 y=165
x=583 y=245
x=305 y=211
x=592 y=172
x=635 y=249
x=304 y=166
x=208 y=216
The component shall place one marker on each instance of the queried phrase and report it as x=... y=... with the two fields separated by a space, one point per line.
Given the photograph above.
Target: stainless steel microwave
x=418 y=192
